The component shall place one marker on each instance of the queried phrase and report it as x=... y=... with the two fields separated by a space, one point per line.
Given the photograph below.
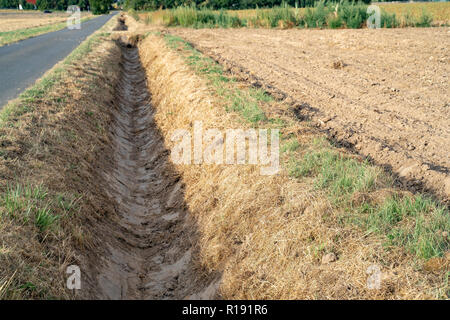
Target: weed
x=416 y=223
x=290 y=146
x=44 y=218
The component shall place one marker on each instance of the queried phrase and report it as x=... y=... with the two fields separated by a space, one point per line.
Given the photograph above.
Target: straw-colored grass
x=50 y=138
x=18 y=21
x=439 y=10
x=13 y=29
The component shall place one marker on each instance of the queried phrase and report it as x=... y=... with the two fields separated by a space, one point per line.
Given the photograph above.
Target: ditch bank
x=269 y=237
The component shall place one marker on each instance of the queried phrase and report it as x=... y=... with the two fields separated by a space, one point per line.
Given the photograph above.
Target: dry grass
x=24 y=26
x=50 y=139
x=18 y=21
x=439 y=10
x=269 y=234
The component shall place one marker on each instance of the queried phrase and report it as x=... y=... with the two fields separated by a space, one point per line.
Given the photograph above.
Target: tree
x=100 y=6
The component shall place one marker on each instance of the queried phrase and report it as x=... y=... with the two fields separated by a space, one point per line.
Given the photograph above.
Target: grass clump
x=340 y=175
x=414 y=222
x=407 y=19
x=26 y=203
x=44 y=218
x=290 y=146
x=334 y=22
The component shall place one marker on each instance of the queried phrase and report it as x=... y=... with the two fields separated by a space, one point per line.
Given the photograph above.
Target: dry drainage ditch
x=147 y=246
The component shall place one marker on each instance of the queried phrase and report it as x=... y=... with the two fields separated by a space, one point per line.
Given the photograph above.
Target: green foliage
x=200 y=18
x=323 y=14
x=28 y=203
x=417 y=223
x=317 y=17
x=352 y=14
x=100 y=6
x=388 y=20
x=408 y=19
x=335 y=22
x=340 y=175
x=44 y=218
x=276 y=17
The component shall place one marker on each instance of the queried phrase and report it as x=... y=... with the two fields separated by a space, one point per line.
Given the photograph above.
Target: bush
x=317 y=17
x=352 y=14
x=100 y=6
x=334 y=22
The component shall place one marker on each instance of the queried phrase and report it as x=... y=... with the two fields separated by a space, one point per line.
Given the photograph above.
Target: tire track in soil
x=147 y=252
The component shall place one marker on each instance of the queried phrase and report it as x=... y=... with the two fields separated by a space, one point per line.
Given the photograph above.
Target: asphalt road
x=22 y=63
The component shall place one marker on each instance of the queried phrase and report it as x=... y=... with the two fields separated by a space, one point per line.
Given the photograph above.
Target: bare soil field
x=10 y=21
x=383 y=92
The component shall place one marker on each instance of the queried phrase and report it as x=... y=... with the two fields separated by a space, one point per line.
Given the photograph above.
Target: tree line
x=223 y=4
x=96 y=6
x=103 y=6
